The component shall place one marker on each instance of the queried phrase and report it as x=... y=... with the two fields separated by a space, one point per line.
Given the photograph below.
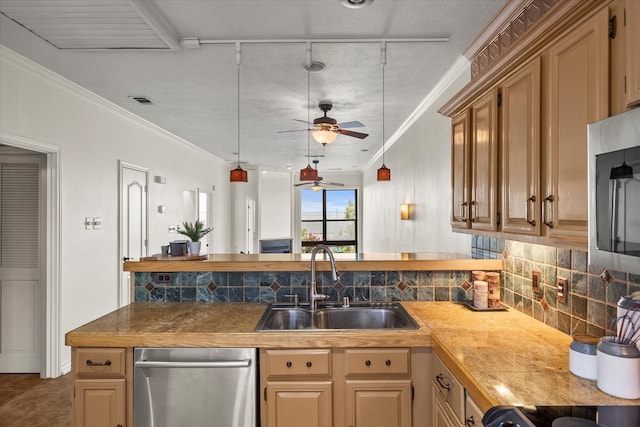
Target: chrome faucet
x=314 y=296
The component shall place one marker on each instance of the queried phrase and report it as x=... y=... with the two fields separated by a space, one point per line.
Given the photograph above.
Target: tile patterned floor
x=26 y=400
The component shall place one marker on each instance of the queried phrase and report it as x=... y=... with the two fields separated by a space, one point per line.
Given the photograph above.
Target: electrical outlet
x=562 y=290
x=535 y=281
x=163 y=277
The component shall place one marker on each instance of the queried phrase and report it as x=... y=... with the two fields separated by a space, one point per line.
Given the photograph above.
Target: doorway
x=22 y=260
x=133 y=223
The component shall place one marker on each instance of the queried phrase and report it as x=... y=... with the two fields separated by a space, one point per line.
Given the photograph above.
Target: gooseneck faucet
x=314 y=296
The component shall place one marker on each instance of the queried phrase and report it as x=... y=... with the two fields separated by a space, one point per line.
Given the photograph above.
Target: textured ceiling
x=195 y=91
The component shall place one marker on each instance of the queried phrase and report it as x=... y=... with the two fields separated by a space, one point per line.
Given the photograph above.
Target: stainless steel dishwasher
x=195 y=387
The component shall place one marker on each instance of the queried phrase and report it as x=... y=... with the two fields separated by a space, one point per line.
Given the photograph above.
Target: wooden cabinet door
x=484 y=155
x=578 y=94
x=442 y=415
x=381 y=403
x=460 y=127
x=299 y=403
x=632 y=28
x=520 y=149
x=99 y=403
x=473 y=413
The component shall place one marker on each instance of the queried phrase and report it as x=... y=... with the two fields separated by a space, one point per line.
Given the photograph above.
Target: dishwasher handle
x=188 y=364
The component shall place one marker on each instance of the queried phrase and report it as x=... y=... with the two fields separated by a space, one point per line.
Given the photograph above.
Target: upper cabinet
x=519 y=141
x=484 y=162
x=577 y=93
x=632 y=32
x=520 y=150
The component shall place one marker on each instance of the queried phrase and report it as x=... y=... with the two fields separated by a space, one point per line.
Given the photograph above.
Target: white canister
x=618 y=368
x=582 y=356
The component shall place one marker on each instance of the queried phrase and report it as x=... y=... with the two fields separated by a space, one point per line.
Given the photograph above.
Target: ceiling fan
x=325 y=129
x=318 y=185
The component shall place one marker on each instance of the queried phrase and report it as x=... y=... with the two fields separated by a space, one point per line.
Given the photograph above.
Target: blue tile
x=346 y=278
x=425 y=293
x=204 y=278
x=393 y=294
x=251 y=294
x=458 y=294
x=393 y=278
x=410 y=278
x=236 y=294
x=579 y=260
x=157 y=294
x=362 y=293
x=221 y=278
x=142 y=279
x=266 y=294
x=300 y=278
x=236 y=278
x=441 y=278
x=188 y=279
x=283 y=278
x=442 y=293
x=409 y=294
x=252 y=279
x=377 y=278
x=204 y=294
x=221 y=294
x=377 y=293
x=141 y=294
x=362 y=278
x=189 y=294
x=267 y=278
x=172 y=294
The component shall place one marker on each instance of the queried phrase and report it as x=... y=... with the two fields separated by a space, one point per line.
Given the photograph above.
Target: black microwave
x=614 y=192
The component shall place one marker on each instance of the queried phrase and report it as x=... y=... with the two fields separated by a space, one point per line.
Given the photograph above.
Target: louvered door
x=21 y=258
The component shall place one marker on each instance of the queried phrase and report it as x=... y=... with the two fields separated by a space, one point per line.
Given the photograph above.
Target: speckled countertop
x=504 y=358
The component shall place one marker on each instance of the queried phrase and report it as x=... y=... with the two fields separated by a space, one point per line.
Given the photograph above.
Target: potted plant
x=194 y=231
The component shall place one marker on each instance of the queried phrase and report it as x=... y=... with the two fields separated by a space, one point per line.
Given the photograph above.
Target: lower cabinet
x=452 y=405
x=100 y=386
x=338 y=387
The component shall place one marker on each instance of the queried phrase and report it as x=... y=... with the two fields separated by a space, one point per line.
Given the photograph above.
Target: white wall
x=420 y=163
x=92 y=136
x=275 y=209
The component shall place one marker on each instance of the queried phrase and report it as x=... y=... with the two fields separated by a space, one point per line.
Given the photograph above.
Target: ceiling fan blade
x=354 y=124
x=302 y=183
x=303 y=121
x=353 y=134
x=292 y=130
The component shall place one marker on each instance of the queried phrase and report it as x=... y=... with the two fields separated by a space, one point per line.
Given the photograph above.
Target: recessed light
x=356 y=4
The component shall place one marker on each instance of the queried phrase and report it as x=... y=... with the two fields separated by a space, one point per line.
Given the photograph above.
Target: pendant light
x=238 y=174
x=308 y=173
x=384 y=173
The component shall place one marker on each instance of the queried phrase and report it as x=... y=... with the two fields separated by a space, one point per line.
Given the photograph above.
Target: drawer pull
x=439 y=378
x=309 y=364
x=368 y=362
x=470 y=422
x=105 y=363
x=289 y=364
x=387 y=362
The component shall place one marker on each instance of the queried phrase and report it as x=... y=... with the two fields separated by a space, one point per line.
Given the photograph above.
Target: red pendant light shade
x=308 y=174
x=238 y=175
x=384 y=173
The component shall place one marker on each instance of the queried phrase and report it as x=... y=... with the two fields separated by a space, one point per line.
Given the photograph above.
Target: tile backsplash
x=590 y=305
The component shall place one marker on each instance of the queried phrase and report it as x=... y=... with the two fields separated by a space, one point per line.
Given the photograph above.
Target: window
x=329 y=217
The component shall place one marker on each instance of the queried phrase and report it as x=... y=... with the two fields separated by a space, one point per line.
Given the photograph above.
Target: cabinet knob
x=309 y=364
x=387 y=362
x=367 y=362
x=469 y=422
x=289 y=364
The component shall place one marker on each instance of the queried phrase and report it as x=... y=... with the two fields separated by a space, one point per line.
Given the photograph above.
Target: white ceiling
x=195 y=91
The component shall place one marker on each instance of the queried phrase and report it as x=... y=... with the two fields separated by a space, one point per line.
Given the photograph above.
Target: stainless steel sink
x=361 y=316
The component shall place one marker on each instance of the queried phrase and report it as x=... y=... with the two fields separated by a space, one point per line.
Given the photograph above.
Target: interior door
x=21 y=262
x=251 y=225
x=133 y=222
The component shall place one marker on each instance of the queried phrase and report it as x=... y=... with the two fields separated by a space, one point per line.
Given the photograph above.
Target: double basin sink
x=280 y=317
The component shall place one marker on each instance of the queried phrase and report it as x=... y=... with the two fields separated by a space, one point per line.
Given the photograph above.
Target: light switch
x=88 y=223
x=173 y=228
x=97 y=223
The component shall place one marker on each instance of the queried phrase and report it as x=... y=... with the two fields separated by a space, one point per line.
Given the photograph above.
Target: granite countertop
x=502 y=358
x=300 y=262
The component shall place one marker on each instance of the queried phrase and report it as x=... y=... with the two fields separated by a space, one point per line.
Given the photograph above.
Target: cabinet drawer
x=377 y=361
x=449 y=387
x=99 y=361
x=298 y=362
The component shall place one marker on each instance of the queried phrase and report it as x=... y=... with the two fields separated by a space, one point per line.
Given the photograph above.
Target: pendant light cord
x=308 y=102
x=383 y=61
x=238 y=62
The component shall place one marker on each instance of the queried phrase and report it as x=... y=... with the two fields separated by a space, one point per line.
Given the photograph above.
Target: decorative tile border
x=269 y=286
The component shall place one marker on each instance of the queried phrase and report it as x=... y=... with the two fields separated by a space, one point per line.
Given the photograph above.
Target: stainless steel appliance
x=195 y=387
x=562 y=416
x=614 y=192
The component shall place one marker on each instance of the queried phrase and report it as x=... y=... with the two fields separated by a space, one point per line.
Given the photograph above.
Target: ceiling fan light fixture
x=316 y=186
x=324 y=136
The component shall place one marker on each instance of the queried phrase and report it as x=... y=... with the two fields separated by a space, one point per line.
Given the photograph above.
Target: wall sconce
x=405 y=211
